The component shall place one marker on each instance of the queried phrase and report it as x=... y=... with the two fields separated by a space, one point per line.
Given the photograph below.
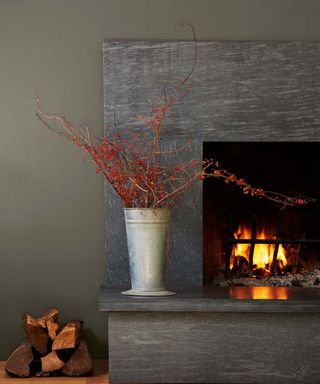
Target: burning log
x=260 y=273
x=50 y=349
x=240 y=266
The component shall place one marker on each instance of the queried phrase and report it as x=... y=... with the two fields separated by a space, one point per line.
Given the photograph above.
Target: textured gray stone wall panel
x=240 y=91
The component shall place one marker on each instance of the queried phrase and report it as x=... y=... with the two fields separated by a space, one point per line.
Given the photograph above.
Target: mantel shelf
x=233 y=299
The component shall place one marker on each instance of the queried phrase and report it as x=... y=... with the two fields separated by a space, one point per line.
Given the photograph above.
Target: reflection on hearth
x=258 y=293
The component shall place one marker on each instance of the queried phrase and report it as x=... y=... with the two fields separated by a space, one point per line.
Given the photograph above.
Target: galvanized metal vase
x=147 y=231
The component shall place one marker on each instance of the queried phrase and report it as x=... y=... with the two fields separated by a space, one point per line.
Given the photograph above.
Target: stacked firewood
x=50 y=349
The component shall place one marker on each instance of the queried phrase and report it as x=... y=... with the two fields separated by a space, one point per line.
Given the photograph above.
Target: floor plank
x=99 y=376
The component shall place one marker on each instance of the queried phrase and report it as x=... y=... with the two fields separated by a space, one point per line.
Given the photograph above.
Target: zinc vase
x=147 y=233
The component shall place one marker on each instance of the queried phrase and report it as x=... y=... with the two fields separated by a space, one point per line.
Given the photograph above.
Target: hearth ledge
x=233 y=299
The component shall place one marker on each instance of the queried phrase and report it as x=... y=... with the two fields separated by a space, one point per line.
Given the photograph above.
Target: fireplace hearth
x=215 y=335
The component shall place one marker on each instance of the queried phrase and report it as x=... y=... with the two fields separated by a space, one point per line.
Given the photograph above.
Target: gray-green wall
x=51 y=202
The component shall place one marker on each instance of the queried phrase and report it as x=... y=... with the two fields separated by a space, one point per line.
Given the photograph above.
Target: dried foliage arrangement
x=133 y=162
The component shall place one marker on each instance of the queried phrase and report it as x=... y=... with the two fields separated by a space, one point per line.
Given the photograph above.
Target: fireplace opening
x=251 y=241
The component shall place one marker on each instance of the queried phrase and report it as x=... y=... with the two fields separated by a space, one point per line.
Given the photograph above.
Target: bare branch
x=175 y=150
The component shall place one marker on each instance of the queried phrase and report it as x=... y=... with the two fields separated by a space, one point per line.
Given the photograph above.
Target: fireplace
x=267 y=94
x=253 y=241
x=264 y=93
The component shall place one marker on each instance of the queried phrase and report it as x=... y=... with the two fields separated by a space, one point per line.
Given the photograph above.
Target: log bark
x=19 y=361
x=51 y=362
x=69 y=336
x=80 y=362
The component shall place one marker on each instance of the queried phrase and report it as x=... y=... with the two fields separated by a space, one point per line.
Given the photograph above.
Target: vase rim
x=147 y=209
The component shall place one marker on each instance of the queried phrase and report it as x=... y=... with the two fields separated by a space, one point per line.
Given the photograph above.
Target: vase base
x=136 y=292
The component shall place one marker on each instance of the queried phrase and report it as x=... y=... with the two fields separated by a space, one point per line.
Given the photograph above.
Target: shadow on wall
x=100 y=346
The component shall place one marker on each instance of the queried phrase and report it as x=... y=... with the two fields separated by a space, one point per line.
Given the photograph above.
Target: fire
x=263 y=253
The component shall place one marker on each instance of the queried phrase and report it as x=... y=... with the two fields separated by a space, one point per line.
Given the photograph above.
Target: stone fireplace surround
x=241 y=91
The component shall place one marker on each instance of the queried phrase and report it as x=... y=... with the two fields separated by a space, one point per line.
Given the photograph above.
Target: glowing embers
x=261 y=248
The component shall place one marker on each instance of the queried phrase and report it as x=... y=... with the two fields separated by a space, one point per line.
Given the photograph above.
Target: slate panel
x=240 y=91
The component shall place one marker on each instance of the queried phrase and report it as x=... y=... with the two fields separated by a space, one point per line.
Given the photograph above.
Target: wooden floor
x=99 y=376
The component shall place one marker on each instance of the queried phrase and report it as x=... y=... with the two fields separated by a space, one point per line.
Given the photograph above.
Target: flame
x=263 y=253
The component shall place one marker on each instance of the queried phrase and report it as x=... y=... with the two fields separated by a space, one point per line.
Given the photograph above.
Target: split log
x=50 y=352
x=41 y=329
x=51 y=362
x=19 y=361
x=80 y=362
x=50 y=317
x=37 y=335
x=69 y=336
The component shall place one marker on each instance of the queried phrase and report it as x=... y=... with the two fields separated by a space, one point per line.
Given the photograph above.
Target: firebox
x=254 y=241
